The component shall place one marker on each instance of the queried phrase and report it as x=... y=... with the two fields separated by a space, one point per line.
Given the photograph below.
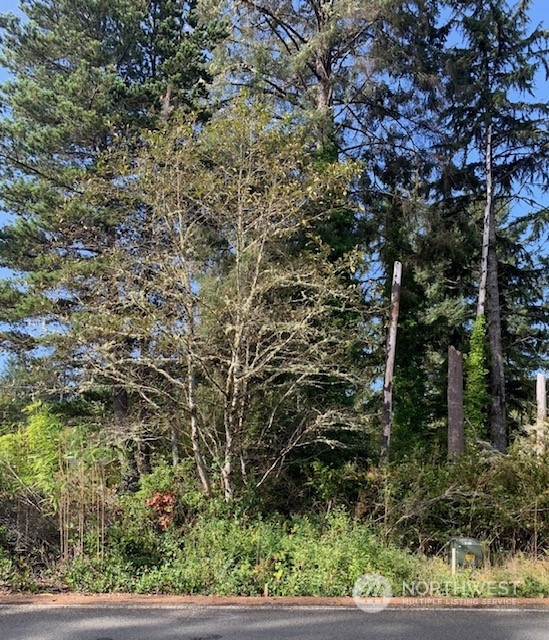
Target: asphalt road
x=31 y=622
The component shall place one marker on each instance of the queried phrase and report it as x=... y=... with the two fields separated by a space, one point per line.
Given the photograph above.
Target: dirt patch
x=158 y=600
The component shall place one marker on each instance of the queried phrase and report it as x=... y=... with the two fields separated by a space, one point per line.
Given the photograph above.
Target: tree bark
x=456 y=438
x=541 y=399
x=195 y=429
x=387 y=412
x=324 y=96
x=498 y=421
x=230 y=423
x=541 y=430
x=488 y=223
x=489 y=305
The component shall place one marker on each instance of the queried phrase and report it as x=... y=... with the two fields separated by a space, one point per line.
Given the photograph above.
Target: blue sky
x=539 y=14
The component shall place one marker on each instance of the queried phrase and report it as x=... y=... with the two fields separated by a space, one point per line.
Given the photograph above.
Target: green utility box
x=468 y=552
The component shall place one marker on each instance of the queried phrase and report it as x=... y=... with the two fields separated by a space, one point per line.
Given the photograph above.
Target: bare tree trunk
x=195 y=429
x=324 y=101
x=489 y=305
x=486 y=227
x=456 y=438
x=230 y=430
x=227 y=467
x=387 y=412
x=541 y=399
x=227 y=470
x=541 y=429
x=498 y=421
x=191 y=312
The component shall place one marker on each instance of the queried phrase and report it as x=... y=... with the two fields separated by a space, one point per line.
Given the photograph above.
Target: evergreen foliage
x=85 y=75
x=498 y=137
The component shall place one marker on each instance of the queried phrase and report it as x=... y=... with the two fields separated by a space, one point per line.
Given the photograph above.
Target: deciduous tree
x=237 y=329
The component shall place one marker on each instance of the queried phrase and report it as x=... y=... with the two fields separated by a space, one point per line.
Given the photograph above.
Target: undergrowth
x=77 y=530
x=299 y=556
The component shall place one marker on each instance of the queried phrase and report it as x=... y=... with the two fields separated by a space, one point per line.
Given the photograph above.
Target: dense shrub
x=502 y=500
x=351 y=519
x=304 y=555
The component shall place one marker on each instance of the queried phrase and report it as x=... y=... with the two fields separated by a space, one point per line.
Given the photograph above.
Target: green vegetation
x=301 y=555
x=203 y=208
x=476 y=397
x=169 y=537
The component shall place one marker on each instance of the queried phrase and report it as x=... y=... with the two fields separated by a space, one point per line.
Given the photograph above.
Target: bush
x=300 y=556
x=168 y=537
x=503 y=501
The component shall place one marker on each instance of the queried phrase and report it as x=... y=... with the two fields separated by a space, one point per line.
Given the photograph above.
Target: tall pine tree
x=82 y=75
x=497 y=134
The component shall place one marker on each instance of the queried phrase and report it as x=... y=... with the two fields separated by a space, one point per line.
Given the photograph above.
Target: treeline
x=203 y=205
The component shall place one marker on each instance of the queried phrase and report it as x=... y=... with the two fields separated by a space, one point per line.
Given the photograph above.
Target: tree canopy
x=205 y=202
